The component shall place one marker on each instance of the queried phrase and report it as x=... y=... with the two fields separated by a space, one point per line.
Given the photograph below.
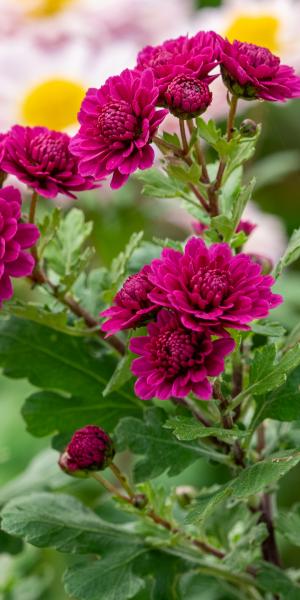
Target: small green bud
x=248 y=128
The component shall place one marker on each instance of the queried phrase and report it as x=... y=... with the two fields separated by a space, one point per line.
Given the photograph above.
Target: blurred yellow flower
x=54 y=103
x=260 y=29
x=44 y=8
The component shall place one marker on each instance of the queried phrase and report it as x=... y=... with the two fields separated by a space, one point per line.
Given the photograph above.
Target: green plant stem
x=178 y=152
x=185 y=144
x=200 y=197
x=122 y=479
x=228 y=423
x=33 y=205
x=200 y=154
x=109 y=486
x=214 y=189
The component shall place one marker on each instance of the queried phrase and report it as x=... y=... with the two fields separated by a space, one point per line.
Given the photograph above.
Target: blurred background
x=51 y=51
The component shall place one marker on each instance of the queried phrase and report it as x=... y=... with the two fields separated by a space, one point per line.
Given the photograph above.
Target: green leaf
x=206 y=504
x=161 y=451
x=291 y=254
x=48 y=412
x=45 y=316
x=119 y=265
x=240 y=151
x=196 y=586
x=266 y=373
x=288 y=523
x=185 y=173
x=9 y=544
x=282 y=404
x=62 y=522
x=250 y=481
x=187 y=429
x=89 y=287
x=120 y=375
x=274 y=580
x=113 y=575
x=41 y=474
x=56 y=362
x=159 y=185
x=64 y=253
x=208 y=131
x=48 y=228
x=268 y=328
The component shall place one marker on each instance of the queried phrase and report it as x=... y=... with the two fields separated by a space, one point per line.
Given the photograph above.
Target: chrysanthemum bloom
x=194 y=57
x=132 y=307
x=90 y=449
x=187 y=97
x=175 y=361
x=211 y=287
x=41 y=158
x=251 y=72
x=118 y=122
x=2 y=140
x=15 y=237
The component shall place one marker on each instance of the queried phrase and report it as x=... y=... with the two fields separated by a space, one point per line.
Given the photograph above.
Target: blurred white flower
x=269 y=237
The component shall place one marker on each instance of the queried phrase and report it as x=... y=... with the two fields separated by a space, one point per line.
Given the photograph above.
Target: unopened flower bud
x=248 y=128
x=199 y=227
x=90 y=449
x=140 y=501
x=187 y=97
x=185 y=494
x=246 y=226
x=265 y=262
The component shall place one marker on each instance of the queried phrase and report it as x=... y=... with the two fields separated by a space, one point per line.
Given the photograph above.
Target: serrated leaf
x=62 y=522
x=187 y=429
x=158 y=185
x=59 y=321
x=161 y=451
x=208 y=131
x=120 y=375
x=250 y=481
x=185 y=173
x=89 y=287
x=120 y=263
x=291 y=254
x=47 y=412
x=10 y=544
x=288 y=523
x=274 y=580
x=283 y=404
x=64 y=253
x=71 y=367
x=41 y=474
x=268 y=328
x=266 y=373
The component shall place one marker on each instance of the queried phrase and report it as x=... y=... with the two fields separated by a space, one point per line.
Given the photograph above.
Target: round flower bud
x=187 y=97
x=185 y=494
x=140 y=501
x=90 y=449
x=248 y=128
x=265 y=262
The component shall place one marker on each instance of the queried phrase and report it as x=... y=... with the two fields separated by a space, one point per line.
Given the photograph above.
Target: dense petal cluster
x=195 y=57
x=42 y=159
x=2 y=140
x=132 y=307
x=175 y=361
x=90 y=449
x=15 y=238
x=118 y=122
x=211 y=287
x=187 y=97
x=251 y=72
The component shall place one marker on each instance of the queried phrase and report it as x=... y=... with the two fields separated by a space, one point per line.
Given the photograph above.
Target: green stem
x=185 y=144
x=200 y=154
x=33 y=205
x=122 y=479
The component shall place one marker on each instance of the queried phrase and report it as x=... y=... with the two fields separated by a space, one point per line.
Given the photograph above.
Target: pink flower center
x=177 y=350
x=258 y=55
x=211 y=284
x=116 y=122
x=188 y=94
x=51 y=153
x=134 y=293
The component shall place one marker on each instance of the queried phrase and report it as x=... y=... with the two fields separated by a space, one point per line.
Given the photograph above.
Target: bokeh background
x=51 y=51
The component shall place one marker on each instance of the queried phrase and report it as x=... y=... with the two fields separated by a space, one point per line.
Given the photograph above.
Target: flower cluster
x=190 y=300
x=15 y=238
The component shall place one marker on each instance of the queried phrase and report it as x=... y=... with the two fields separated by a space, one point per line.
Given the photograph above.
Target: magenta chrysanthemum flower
x=195 y=57
x=251 y=72
x=187 y=97
x=42 y=159
x=15 y=237
x=132 y=307
x=90 y=449
x=2 y=140
x=118 y=122
x=211 y=287
x=175 y=361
